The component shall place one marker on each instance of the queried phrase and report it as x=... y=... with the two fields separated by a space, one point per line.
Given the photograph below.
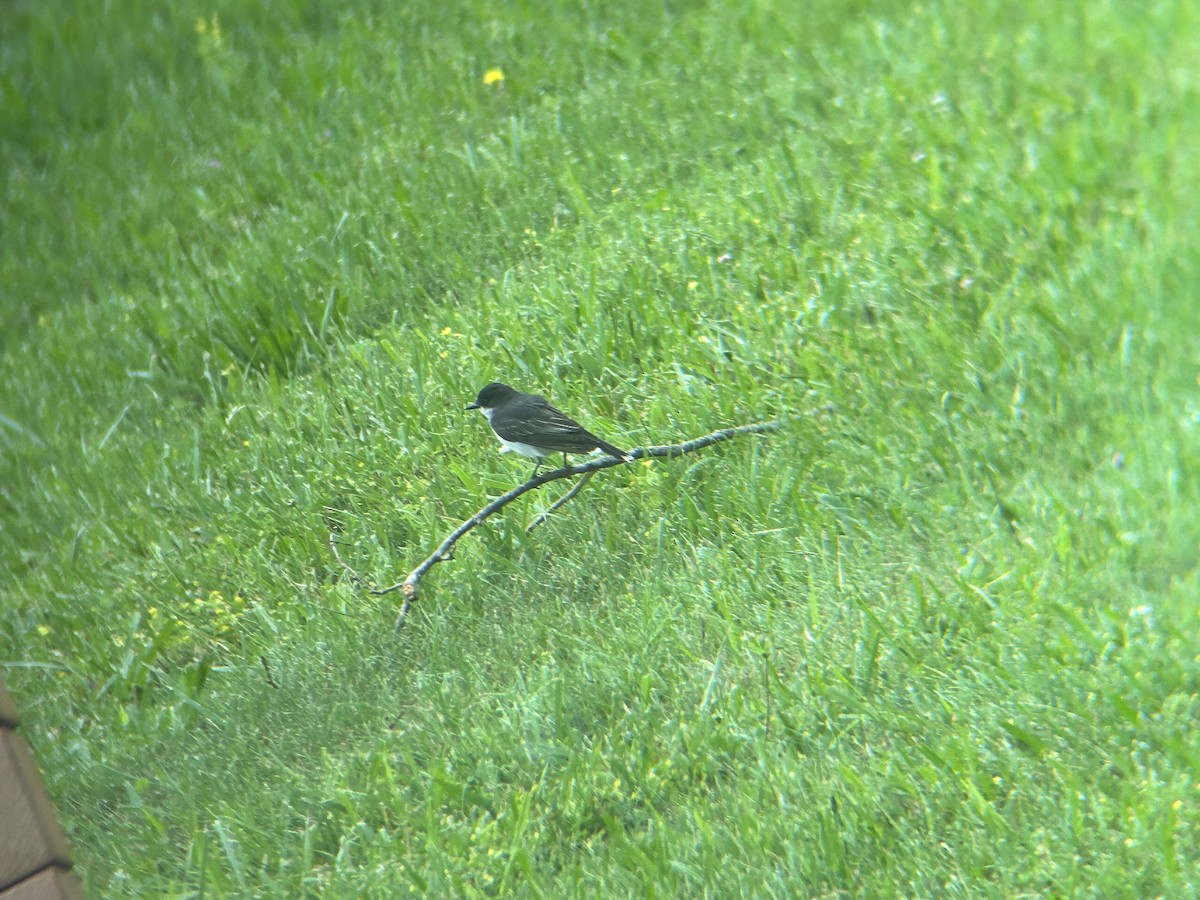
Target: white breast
x=523 y=449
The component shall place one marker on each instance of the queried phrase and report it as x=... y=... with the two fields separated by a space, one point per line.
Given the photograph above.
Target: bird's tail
x=613 y=451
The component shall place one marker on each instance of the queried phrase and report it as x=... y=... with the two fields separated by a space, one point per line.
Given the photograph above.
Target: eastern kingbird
x=529 y=425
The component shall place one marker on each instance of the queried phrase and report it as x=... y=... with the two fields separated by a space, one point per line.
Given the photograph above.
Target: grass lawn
x=941 y=641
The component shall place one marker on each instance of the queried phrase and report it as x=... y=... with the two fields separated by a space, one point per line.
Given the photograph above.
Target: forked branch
x=408 y=586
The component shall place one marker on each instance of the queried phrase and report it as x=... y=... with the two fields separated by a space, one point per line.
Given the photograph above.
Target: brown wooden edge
x=34 y=861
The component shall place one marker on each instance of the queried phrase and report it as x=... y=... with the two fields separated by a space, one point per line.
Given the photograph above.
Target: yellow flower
x=210 y=32
x=493 y=76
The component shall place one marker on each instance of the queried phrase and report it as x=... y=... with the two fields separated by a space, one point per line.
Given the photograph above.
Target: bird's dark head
x=492 y=395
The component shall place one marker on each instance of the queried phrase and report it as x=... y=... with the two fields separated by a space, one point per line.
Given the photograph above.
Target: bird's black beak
x=473 y=406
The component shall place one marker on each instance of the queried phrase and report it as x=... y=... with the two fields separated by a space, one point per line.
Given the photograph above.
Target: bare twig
x=542 y=517
x=267 y=668
x=350 y=573
x=408 y=586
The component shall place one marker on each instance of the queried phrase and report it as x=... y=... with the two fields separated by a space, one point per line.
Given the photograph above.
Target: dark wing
x=541 y=425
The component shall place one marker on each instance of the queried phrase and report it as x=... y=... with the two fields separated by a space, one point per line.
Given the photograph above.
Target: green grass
x=943 y=641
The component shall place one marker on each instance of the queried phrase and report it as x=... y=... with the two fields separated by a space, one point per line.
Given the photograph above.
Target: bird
x=529 y=425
